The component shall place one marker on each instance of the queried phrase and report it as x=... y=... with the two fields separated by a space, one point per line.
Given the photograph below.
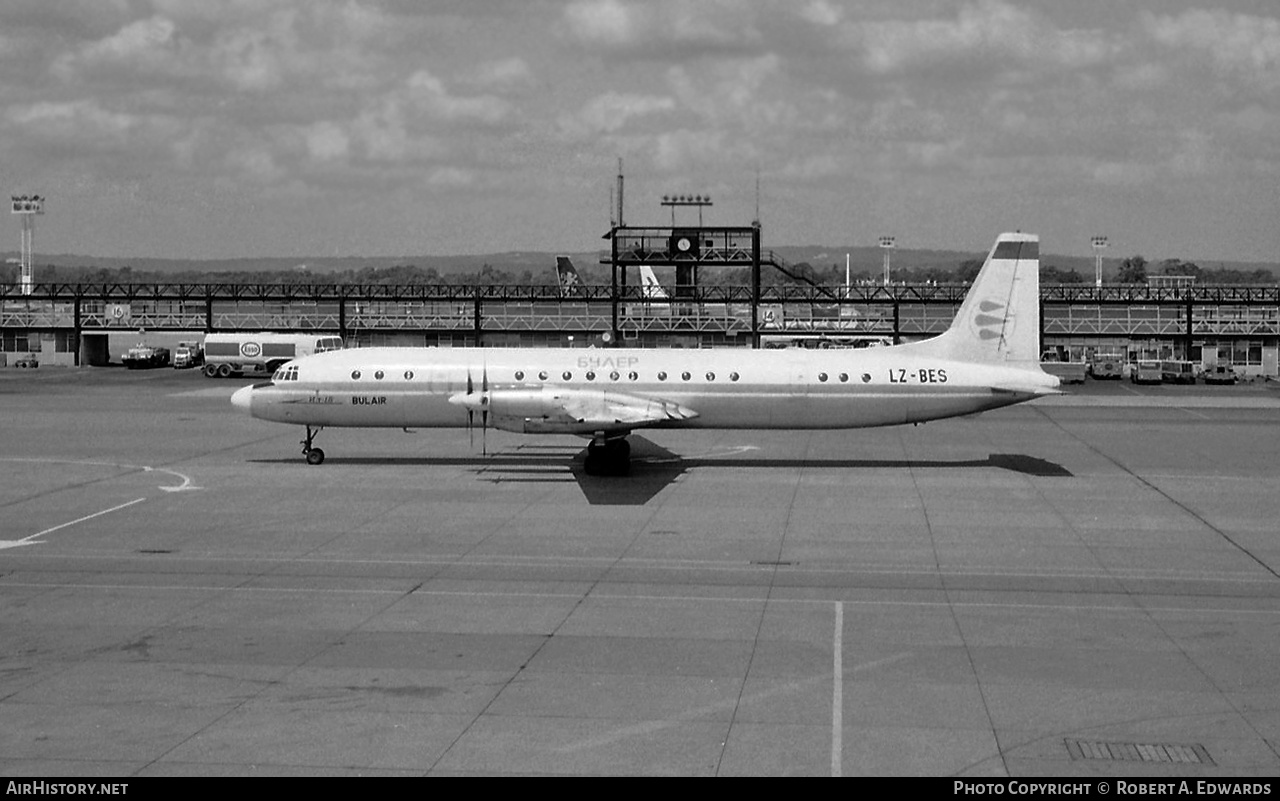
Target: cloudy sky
x=190 y=128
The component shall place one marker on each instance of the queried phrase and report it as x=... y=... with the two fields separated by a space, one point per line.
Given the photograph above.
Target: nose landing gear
x=313 y=455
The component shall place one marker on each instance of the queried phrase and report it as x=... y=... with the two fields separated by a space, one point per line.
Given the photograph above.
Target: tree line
x=1132 y=270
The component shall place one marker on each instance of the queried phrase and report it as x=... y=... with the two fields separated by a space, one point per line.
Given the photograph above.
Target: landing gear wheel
x=609 y=458
x=313 y=455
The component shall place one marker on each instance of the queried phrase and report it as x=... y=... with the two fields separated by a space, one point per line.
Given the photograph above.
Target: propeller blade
x=471 y=432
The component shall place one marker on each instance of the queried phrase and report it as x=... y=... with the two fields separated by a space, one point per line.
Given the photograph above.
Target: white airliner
x=987 y=359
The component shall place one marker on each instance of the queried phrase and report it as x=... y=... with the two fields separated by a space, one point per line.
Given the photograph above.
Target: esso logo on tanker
x=250 y=350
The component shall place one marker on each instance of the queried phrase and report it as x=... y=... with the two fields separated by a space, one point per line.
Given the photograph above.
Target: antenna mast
x=756 y=223
x=620 y=222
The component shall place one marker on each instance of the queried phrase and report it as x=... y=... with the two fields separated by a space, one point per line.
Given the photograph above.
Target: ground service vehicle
x=1057 y=361
x=1146 y=371
x=263 y=352
x=142 y=356
x=27 y=361
x=1176 y=372
x=1106 y=366
x=188 y=354
x=1220 y=374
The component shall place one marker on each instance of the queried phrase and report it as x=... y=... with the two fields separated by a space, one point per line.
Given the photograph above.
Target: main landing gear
x=608 y=457
x=313 y=455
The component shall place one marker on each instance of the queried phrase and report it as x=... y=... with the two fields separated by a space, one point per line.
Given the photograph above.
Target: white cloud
x=658 y=25
x=429 y=93
x=1237 y=42
x=450 y=177
x=88 y=127
x=821 y=13
x=326 y=141
x=604 y=22
x=984 y=29
x=149 y=46
x=611 y=112
x=255 y=164
x=507 y=72
x=137 y=39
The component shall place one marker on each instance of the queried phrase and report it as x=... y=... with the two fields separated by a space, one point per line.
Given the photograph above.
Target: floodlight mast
x=698 y=201
x=1099 y=244
x=27 y=207
x=887 y=243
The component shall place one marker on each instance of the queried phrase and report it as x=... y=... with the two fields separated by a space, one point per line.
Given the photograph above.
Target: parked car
x=1146 y=371
x=143 y=356
x=1106 y=366
x=1220 y=374
x=188 y=354
x=1177 y=372
x=27 y=361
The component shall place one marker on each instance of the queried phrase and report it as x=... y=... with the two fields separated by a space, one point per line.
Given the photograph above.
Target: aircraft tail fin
x=649 y=284
x=999 y=321
x=567 y=274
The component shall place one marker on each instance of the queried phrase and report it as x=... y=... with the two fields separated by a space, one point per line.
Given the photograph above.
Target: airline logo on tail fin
x=990 y=319
x=567 y=274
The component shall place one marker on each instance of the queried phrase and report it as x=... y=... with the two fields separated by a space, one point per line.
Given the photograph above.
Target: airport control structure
x=69 y=324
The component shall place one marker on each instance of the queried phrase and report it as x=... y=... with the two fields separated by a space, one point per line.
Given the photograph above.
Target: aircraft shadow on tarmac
x=653 y=467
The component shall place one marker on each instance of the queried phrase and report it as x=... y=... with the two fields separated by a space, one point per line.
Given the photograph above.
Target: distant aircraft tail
x=567 y=274
x=651 y=289
x=999 y=321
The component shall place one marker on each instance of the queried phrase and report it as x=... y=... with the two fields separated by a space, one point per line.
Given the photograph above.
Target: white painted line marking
x=184 y=486
x=30 y=540
x=837 y=694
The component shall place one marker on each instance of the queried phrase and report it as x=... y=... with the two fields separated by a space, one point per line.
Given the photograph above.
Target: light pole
x=27 y=206
x=887 y=245
x=698 y=201
x=1099 y=244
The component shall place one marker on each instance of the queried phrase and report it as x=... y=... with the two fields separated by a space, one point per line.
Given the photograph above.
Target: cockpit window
x=287 y=373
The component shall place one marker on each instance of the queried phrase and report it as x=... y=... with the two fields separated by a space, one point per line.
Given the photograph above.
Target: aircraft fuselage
x=729 y=388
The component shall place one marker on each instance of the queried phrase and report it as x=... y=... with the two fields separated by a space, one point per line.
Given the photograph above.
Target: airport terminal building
x=76 y=324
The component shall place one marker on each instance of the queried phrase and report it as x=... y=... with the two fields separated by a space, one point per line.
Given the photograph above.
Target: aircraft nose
x=241 y=399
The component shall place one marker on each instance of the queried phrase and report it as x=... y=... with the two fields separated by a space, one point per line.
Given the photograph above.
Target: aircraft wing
x=551 y=409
